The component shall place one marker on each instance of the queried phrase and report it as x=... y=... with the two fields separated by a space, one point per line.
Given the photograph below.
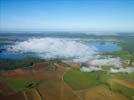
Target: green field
x=129 y=92
x=18 y=85
x=83 y=80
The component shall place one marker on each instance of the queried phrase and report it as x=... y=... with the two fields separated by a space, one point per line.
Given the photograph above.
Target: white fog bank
x=90 y=69
x=106 y=61
x=123 y=70
x=114 y=66
x=56 y=48
x=62 y=48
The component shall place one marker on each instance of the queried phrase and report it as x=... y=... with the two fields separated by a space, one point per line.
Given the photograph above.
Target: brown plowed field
x=58 y=91
x=31 y=74
x=18 y=96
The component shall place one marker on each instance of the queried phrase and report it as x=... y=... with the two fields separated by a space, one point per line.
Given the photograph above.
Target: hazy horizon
x=67 y=15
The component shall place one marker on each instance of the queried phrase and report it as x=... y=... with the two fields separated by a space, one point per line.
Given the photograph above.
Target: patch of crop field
x=64 y=64
x=18 y=74
x=17 y=96
x=120 y=82
x=51 y=68
x=18 y=85
x=61 y=66
x=123 y=76
x=100 y=92
x=46 y=83
x=106 y=77
x=73 y=64
x=30 y=74
x=4 y=90
x=23 y=79
x=58 y=91
x=81 y=80
x=122 y=87
x=129 y=82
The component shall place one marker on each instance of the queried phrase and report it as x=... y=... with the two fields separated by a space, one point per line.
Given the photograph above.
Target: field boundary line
x=25 y=96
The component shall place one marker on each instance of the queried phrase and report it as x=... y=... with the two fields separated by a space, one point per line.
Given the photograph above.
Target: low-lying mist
x=112 y=65
x=63 y=48
x=51 y=48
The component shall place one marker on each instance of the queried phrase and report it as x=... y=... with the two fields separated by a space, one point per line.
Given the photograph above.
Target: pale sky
x=83 y=15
